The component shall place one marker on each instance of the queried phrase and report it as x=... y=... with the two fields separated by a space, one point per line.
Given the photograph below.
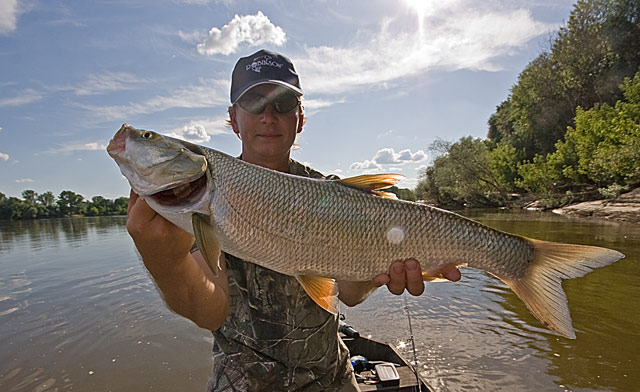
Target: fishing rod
x=413 y=342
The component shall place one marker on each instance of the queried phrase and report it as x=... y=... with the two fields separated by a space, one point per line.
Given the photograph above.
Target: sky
x=382 y=79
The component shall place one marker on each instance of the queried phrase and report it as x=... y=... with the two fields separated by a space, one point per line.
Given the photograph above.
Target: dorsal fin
x=323 y=291
x=371 y=182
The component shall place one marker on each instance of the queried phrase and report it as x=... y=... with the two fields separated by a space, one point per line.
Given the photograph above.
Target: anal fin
x=323 y=291
x=206 y=241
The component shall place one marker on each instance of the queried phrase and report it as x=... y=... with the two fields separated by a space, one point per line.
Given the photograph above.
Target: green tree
x=503 y=162
x=606 y=140
x=48 y=202
x=70 y=203
x=461 y=175
x=602 y=149
x=588 y=59
x=120 y=206
x=29 y=196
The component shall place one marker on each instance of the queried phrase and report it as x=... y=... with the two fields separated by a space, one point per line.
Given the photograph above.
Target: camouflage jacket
x=276 y=338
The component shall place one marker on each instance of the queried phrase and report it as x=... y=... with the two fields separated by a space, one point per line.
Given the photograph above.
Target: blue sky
x=382 y=78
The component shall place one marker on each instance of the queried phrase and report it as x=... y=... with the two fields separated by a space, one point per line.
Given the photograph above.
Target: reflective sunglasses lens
x=284 y=103
x=253 y=103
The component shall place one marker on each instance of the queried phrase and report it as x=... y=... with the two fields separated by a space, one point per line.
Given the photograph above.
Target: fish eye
x=147 y=135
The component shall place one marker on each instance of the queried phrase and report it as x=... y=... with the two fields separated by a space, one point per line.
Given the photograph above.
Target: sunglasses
x=256 y=104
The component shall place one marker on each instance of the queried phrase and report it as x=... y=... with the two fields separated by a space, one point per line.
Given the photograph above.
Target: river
x=79 y=312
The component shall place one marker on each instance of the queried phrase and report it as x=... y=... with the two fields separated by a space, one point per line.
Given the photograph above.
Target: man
x=269 y=335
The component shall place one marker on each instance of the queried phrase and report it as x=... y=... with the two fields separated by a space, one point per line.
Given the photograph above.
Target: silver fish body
x=320 y=229
x=303 y=226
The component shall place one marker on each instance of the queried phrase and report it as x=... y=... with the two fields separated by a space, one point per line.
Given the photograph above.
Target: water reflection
x=78 y=312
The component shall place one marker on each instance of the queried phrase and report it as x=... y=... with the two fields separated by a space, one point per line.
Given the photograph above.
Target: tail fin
x=541 y=286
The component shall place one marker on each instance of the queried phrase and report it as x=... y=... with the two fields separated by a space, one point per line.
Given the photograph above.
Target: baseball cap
x=263 y=67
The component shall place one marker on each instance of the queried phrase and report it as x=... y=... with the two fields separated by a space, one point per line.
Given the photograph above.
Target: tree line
x=570 y=127
x=68 y=203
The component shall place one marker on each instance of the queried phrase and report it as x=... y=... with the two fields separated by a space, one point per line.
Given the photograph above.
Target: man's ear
x=300 y=121
x=233 y=122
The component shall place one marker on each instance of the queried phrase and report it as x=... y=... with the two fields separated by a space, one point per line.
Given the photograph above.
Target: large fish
x=321 y=230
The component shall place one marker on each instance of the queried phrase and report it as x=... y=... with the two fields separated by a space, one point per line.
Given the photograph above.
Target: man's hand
x=159 y=241
x=188 y=286
x=402 y=275
x=407 y=275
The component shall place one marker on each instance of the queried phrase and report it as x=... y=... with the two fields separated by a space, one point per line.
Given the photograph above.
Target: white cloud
x=387 y=156
x=67 y=148
x=191 y=37
x=109 y=81
x=22 y=98
x=209 y=93
x=365 y=165
x=454 y=35
x=254 y=29
x=4 y=157
x=200 y=131
x=408 y=156
x=8 y=16
x=23 y=180
x=195 y=133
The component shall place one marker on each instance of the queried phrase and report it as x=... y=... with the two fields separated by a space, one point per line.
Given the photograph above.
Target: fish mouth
x=183 y=194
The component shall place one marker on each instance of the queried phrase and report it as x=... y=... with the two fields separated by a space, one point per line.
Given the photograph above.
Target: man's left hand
x=407 y=274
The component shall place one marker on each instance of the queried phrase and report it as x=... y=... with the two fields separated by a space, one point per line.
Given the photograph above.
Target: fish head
x=158 y=166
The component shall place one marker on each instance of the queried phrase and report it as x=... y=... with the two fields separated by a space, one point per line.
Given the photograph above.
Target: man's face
x=268 y=135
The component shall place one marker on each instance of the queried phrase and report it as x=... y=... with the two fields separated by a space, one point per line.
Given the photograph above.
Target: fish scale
x=297 y=228
x=322 y=230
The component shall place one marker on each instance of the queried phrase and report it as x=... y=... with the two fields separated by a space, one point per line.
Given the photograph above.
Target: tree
x=48 y=202
x=70 y=203
x=602 y=149
x=461 y=175
x=588 y=59
x=606 y=140
x=29 y=196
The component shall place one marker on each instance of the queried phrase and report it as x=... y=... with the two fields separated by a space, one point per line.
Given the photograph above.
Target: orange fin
x=437 y=273
x=429 y=278
x=540 y=288
x=323 y=291
x=386 y=195
x=371 y=182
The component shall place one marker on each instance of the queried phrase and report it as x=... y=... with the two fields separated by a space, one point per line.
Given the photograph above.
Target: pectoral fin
x=206 y=241
x=429 y=278
x=323 y=291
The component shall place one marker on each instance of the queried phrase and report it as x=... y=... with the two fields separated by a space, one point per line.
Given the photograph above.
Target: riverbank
x=624 y=208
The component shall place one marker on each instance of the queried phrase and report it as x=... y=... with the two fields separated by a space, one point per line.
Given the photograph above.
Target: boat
x=380 y=366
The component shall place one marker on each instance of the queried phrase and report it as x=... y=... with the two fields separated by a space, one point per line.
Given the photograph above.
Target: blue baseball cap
x=263 y=67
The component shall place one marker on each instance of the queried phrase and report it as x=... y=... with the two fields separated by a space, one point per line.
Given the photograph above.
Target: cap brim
x=267 y=81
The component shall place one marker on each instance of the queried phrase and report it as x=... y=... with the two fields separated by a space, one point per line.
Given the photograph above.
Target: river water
x=79 y=312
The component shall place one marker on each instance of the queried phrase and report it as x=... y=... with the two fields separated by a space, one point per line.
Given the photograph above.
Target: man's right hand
x=187 y=286
x=159 y=242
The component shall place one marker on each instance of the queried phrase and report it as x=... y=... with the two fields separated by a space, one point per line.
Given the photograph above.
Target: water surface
x=79 y=312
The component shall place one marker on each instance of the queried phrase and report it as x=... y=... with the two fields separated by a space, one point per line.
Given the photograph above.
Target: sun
x=418 y=6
